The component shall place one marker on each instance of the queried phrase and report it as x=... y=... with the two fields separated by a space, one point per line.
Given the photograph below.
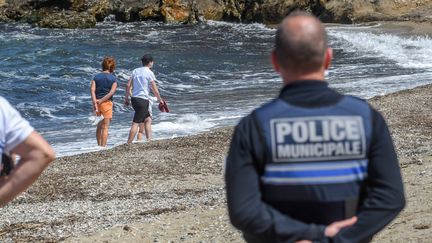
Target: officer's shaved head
x=301 y=43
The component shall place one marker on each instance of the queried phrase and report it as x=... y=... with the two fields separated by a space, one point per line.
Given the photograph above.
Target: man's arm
x=246 y=209
x=128 y=90
x=36 y=154
x=155 y=90
x=385 y=195
x=110 y=94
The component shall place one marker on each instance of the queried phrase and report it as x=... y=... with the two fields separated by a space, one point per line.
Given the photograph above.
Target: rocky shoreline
x=173 y=190
x=86 y=13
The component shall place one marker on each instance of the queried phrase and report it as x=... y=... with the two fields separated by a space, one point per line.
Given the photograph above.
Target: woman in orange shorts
x=102 y=89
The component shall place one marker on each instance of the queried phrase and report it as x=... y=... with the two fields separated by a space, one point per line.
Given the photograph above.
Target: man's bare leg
x=140 y=131
x=104 y=131
x=132 y=132
x=148 y=129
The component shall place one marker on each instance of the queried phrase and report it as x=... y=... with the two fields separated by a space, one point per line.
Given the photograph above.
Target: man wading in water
x=141 y=82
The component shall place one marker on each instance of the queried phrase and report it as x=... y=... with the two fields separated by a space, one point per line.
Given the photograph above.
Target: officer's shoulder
x=249 y=119
x=246 y=120
x=266 y=105
x=375 y=113
x=357 y=98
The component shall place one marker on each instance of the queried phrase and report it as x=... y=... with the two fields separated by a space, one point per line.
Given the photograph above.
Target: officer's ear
x=328 y=58
x=275 y=61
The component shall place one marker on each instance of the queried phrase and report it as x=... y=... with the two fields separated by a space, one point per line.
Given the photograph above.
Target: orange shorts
x=105 y=109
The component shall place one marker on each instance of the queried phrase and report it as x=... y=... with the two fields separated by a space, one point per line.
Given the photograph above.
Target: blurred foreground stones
x=86 y=13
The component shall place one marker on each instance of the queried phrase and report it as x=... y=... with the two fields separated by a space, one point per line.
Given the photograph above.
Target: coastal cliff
x=86 y=13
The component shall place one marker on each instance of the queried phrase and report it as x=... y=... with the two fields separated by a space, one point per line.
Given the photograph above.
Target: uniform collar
x=309 y=93
x=304 y=85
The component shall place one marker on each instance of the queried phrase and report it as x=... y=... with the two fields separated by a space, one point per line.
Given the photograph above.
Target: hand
x=98 y=102
x=95 y=107
x=126 y=102
x=334 y=228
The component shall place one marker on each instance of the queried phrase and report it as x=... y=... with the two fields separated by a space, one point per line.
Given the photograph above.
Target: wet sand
x=173 y=190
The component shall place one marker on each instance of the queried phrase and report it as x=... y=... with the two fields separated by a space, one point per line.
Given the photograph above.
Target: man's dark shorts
x=141 y=107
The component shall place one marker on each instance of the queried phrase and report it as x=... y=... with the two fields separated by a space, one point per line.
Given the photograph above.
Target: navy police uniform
x=307 y=159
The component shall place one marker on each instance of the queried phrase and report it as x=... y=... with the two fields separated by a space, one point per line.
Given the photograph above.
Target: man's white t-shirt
x=142 y=78
x=13 y=128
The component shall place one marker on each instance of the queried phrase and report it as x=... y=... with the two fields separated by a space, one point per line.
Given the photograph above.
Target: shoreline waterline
x=98 y=148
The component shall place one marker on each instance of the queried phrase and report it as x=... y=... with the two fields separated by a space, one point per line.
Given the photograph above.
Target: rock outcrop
x=85 y=13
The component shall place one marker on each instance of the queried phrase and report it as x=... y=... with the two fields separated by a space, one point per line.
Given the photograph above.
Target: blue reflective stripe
x=312 y=173
x=314 y=180
x=317 y=173
x=316 y=165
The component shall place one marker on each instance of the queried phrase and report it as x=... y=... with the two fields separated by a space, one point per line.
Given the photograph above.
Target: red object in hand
x=163 y=107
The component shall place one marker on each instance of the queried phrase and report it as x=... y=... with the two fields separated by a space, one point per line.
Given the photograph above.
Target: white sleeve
x=14 y=128
x=152 y=76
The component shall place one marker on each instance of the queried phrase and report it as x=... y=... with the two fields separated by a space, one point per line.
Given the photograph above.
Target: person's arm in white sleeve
x=35 y=153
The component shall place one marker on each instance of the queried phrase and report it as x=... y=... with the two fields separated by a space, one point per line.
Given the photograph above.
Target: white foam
x=369 y=87
x=46 y=112
x=198 y=76
x=173 y=126
x=185 y=124
x=123 y=74
x=222 y=118
x=152 y=33
x=240 y=26
x=8 y=74
x=77 y=148
x=43 y=76
x=36 y=107
x=412 y=52
x=24 y=36
x=339 y=27
x=88 y=69
x=181 y=86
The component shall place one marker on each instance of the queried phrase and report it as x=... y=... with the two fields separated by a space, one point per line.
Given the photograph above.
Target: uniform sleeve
x=257 y=220
x=15 y=128
x=384 y=196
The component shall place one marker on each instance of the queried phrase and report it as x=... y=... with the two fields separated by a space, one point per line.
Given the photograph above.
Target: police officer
x=311 y=165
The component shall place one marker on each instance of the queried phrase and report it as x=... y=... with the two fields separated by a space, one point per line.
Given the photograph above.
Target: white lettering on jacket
x=317 y=138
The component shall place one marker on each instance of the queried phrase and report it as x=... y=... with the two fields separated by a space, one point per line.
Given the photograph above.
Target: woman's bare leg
x=104 y=131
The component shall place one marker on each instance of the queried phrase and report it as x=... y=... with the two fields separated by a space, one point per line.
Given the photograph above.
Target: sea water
x=211 y=74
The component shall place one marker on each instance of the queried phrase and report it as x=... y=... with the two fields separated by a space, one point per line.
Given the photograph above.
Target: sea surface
x=211 y=74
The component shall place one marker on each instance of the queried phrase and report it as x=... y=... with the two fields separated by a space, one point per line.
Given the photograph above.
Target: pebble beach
x=173 y=190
